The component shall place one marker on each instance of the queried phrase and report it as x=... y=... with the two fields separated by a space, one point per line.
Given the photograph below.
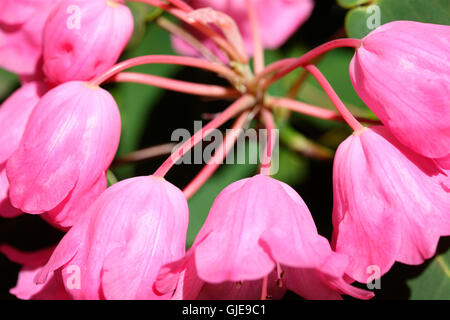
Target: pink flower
x=68 y=144
x=84 y=38
x=390 y=204
x=118 y=247
x=21 y=27
x=278 y=20
x=32 y=262
x=402 y=72
x=257 y=228
x=14 y=114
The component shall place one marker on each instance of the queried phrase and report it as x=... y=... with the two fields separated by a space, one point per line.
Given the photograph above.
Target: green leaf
x=7 y=83
x=292 y=168
x=434 y=282
x=359 y=20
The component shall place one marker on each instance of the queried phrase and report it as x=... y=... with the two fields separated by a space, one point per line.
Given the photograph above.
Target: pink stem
x=177 y=85
x=214 y=163
x=181 y=5
x=342 y=109
x=290 y=64
x=205 y=29
x=304 y=108
x=258 y=49
x=185 y=61
x=239 y=105
x=271 y=134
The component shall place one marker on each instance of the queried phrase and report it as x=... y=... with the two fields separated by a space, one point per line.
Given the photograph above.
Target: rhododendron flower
x=68 y=144
x=132 y=229
x=402 y=72
x=258 y=226
x=33 y=262
x=14 y=114
x=21 y=27
x=390 y=204
x=88 y=42
x=278 y=20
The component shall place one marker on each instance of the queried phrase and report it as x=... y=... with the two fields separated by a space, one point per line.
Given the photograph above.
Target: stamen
x=264 y=295
x=280 y=274
x=239 y=284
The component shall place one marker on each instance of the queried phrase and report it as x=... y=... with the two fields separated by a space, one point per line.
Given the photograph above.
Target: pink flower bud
x=83 y=38
x=69 y=142
x=117 y=248
x=256 y=227
x=32 y=264
x=402 y=72
x=278 y=20
x=21 y=27
x=14 y=114
x=390 y=204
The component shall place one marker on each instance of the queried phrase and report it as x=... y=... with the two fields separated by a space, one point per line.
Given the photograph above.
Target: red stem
x=167 y=59
x=271 y=134
x=177 y=85
x=181 y=5
x=220 y=41
x=258 y=50
x=239 y=105
x=290 y=64
x=214 y=163
x=342 y=109
x=310 y=110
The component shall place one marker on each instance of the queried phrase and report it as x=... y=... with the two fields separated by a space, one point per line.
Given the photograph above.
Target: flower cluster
x=61 y=130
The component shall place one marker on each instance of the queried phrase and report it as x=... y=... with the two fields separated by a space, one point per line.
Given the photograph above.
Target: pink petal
x=70 y=140
x=402 y=72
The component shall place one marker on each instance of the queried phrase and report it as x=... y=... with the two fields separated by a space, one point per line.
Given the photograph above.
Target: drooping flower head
x=390 y=204
x=260 y=230
x=68 y=144
x=14 y=114
x=118 y=247
x=83 y=38
x=402 y=73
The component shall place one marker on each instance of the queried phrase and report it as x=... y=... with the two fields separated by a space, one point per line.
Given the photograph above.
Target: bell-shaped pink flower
x=32 y=264
x=257 y=227
x=21 y=27
x=68 y=144
x=14 y=114
x=402 y=73
x=117 y=248
x=278 y=20
x=390 y=204
x=84 y=38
